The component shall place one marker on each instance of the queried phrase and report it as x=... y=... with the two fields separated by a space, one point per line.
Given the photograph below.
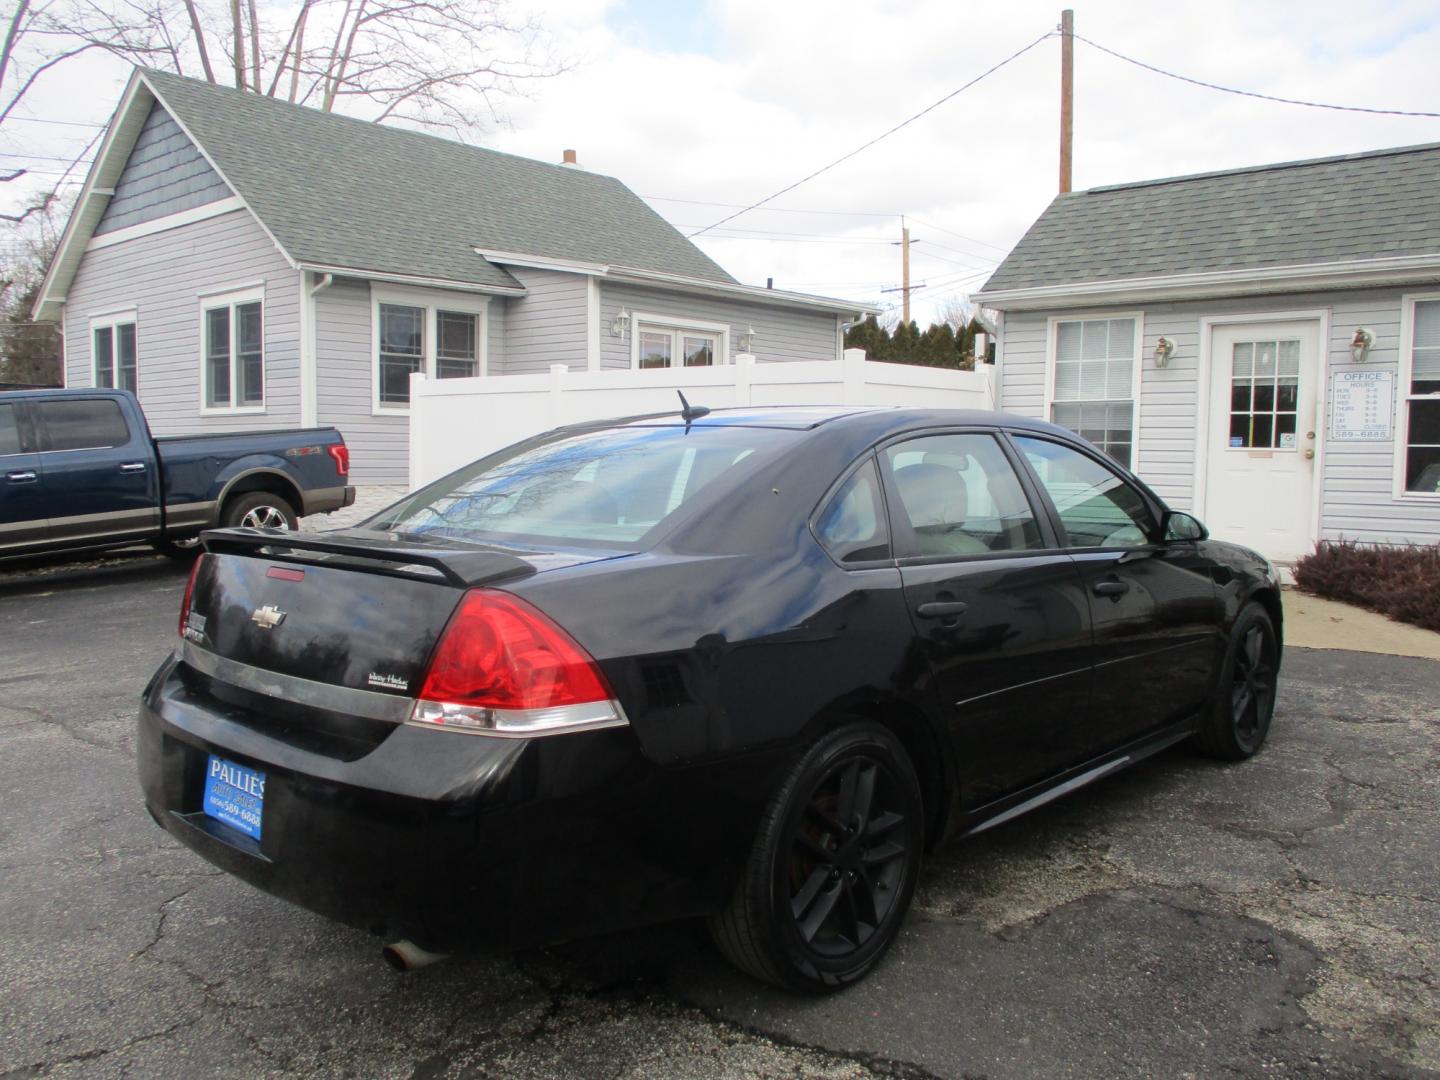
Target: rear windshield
x=604 y=488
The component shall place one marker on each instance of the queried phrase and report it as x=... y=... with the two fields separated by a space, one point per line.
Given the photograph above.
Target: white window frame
x=1404 y=397
x=677 y=327
x=232 y=299
x=432 y=301
x=1052 y=351
x=113 y=320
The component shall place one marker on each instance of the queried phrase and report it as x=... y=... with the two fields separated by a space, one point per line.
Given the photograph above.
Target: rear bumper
x=324 y=500
x=447 y=838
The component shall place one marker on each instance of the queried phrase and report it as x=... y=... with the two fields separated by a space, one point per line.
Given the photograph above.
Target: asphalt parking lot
x=1280 y=917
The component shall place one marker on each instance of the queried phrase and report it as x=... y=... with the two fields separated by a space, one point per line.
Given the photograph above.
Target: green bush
x=1402 y=582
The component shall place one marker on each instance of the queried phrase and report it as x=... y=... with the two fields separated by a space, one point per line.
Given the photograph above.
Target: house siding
x=344 y=373
x=780 y=333
x=163 y=277
x=546 y=326
x=166 y=173
x=1357 y=479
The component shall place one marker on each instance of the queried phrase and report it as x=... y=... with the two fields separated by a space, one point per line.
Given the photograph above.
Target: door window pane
x=127 y=375
x=217 y=357
x=852 y=527
x=9 y=430
x=82 y=424
x=1264 y=394
x=1097 y=507
x=456 y=353
x=960 y=496
x=105 y=356
x=654 y=349
x=402 y=350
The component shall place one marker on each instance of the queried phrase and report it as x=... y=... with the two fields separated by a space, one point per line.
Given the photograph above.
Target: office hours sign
x=1362 y=406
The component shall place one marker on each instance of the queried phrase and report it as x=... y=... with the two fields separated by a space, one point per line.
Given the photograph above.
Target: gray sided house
x=244 y=263
x=1261 y=345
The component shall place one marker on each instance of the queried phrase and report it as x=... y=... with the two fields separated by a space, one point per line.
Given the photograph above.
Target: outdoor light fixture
x=619 y=323
x=1164 y=349
x=747 y=339
x=1361 y=344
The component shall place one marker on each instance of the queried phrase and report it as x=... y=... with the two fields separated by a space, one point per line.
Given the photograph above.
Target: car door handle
x=1112 y=589
x=25 y=477
x=942 y=609
x=133 y=466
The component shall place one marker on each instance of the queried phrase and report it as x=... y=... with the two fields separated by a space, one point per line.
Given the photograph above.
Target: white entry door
x=1260 y=458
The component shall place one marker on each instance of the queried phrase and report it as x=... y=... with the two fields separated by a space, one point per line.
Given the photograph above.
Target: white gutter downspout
x=309 y=344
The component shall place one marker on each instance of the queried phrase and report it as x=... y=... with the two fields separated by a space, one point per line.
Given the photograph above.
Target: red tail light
x=189 y=594
x=503 y=667
x=340 y=454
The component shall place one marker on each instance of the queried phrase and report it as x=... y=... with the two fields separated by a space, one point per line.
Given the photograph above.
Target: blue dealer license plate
x=234 y=795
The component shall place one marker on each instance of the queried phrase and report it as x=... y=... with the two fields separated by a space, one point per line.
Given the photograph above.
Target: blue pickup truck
x=79 y=469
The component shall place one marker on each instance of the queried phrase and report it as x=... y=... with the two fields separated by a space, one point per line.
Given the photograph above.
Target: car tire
x=1239 y=718
x=259 y=510
x=822 y=897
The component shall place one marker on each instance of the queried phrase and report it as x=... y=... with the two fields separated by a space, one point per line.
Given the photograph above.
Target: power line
x=958 y=236
x=793 y=239
x=58 y=123
x=883 y=135
x=1252 y=93
x=775 y=209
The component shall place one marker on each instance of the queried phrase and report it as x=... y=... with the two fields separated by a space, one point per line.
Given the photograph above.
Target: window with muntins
x=1094 y=393
x=676 y=346
x=234 y=365
x=1422 y=403
x=420 y=333
x=1264 y=393
x=116 y=364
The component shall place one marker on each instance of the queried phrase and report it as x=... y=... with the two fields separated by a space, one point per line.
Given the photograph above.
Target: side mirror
x=1182 y=526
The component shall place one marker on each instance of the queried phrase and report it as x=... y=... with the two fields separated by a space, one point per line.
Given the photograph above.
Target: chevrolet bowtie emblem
x=267 y=617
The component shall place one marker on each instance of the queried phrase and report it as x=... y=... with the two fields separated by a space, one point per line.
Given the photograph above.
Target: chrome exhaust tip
x=405 y=955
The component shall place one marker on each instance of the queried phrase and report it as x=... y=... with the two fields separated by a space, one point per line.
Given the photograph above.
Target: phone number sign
x=1363 y=406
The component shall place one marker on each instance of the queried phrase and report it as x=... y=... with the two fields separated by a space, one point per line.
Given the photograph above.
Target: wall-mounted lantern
x=747 y=339
x=1362 y=343
x=1164 y=350
x=620 y=323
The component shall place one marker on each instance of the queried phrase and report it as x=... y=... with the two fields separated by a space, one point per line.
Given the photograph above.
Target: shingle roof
x=336 y=191
x=1360 y=206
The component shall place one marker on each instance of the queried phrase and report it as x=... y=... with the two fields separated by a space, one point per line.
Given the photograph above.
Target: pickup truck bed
x=79 y=469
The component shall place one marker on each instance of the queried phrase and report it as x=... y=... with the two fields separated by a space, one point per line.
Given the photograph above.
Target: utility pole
x=1067 y=95
x=905 y=269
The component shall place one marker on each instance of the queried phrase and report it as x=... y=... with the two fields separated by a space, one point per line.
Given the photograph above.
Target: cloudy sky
x=705 y=107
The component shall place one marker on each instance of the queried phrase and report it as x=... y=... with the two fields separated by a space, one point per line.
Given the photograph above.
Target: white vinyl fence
x=455 y=421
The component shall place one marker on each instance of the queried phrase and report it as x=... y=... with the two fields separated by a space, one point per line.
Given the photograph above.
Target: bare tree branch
x=199 y=35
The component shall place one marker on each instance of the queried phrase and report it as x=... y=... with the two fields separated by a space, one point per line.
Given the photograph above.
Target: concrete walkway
x=1313 y=623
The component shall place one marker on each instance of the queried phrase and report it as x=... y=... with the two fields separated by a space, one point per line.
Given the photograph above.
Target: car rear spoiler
x=461 y=567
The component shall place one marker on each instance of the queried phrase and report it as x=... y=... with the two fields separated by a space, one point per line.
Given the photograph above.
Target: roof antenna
x=690 y=412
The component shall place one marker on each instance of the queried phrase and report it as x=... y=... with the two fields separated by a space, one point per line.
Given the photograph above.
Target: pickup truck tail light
x=341 y=456
x=189 y=594
x=502 y=667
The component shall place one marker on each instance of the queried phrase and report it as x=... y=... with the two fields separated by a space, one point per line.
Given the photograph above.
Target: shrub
x=1402 y=582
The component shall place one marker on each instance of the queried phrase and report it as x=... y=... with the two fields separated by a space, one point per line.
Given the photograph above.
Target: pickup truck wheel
x=182 y=549
x=259 y=510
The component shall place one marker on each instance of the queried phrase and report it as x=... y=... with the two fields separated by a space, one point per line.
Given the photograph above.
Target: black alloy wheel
x=1239 y=719
x=834 y=865
x=847 y=856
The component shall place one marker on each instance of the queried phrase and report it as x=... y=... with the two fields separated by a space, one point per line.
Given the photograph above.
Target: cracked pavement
x=1185 y=918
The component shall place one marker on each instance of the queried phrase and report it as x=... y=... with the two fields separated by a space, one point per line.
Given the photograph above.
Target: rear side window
x=604 y=487
x=83 y=424
x=960 y=496
x=852 y=525
x=9 y=430
x=1096 y=506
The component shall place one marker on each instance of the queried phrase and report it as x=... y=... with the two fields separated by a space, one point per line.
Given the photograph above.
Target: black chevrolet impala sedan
x=744 y=665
